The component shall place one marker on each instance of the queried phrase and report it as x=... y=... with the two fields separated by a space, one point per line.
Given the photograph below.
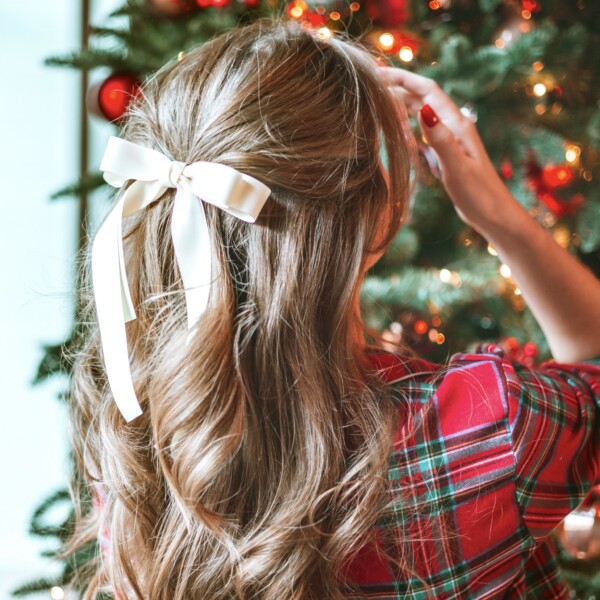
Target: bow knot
x=152 y=172
x=171 y=177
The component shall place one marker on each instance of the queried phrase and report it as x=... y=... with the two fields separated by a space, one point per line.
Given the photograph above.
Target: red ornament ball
x=170 y=8
x=110 y=98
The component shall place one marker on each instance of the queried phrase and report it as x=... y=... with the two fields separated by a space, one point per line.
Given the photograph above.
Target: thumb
x=439 y=137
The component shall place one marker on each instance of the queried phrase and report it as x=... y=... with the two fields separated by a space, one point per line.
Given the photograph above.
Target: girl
x=278 y=452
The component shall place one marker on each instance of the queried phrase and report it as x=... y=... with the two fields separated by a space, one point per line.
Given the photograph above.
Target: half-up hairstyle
x=259 y=464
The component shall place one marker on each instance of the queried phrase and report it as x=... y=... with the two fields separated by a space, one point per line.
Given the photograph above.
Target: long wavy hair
x=259 y=465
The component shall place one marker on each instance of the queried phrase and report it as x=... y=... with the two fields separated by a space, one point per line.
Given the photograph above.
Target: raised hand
x=562 y=293
x=476 y=189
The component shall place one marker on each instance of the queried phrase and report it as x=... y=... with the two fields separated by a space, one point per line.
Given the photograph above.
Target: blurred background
x=39 y=154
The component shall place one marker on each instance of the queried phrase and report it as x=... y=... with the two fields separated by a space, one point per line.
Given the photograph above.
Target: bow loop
x=153 y=172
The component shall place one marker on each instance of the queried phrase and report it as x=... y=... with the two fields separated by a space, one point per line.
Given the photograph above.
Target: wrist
x=509 y=221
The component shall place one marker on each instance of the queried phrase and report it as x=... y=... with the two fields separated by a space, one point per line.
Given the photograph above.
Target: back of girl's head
x=241 y=477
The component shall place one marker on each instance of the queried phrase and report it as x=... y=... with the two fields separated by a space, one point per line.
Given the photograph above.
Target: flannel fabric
x=488 y=457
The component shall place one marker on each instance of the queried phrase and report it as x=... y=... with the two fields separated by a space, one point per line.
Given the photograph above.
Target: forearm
x=562 y=293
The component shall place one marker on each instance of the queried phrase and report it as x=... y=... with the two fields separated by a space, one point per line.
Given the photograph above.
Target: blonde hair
x=259 y=465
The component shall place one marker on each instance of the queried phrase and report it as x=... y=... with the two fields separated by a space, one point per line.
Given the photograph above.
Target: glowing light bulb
x=420 y=327
x=539 y=89
x=324 y=33
x=335 y=16
x=386 y=40
x=445 y=276
x=406 y=54
x=505 y=271
x=572 y=153
x=355 y=6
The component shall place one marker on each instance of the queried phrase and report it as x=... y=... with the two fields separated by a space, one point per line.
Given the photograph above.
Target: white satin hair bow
x=153 y=172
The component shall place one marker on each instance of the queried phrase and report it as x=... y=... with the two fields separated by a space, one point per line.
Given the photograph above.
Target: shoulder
x=481 y=372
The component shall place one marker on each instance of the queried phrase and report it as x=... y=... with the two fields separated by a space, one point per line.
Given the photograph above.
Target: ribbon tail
x=191 y=241
x=107 y=275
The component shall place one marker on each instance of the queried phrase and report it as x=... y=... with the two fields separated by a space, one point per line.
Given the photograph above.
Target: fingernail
x=429 y=116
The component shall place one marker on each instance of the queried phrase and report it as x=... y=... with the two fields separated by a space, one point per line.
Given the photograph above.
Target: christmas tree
x=526 y=71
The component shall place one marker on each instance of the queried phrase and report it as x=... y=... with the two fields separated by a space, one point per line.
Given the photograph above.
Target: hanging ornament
x=170 y=8
x=525 y=354
x=579 y=532
x=212 y=3
x=532 y=6
x=388 y=13
x=110 y=98
x=552 y=187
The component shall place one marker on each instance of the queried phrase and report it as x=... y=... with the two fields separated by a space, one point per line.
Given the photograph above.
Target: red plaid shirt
x=489 y=456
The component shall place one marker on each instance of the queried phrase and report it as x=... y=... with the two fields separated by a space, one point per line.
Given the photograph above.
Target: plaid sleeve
x=554 y=421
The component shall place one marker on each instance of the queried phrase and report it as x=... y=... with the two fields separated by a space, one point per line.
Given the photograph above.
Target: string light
x=539 y=89
x=180 y=56
x=420 y=327
x=540 y=109
x=517 y=292
x=445 y=276
x=436 y=336
x=297 y=11
x=436 y=321
x=406 y=54
x=396 y=328
x=572 y=153
x=57 y=593
x=354 y=6
x=324 y=33
x=386 y=40
x=562 y=236
x=434 y=5
x=538 y=65
x=505 y=271
x=492 y=250
x=335 y=16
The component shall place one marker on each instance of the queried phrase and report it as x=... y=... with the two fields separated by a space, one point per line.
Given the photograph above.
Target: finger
x=413 y=103
x=416 y=84
x=451 y=154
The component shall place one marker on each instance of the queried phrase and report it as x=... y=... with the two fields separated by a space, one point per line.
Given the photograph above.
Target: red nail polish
x=429 y=116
